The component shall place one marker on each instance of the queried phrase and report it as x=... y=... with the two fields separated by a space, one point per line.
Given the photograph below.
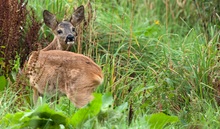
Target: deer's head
x=65 y=31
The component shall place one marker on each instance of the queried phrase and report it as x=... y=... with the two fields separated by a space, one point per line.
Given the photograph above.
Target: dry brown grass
x=17 y=35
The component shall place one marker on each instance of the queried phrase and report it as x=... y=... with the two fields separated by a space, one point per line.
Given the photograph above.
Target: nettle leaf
x=122 y=107
x=107 y=101
x=13 y=121
x=91 y=110
x=3 y=82
x=43 y=117
x=159 y=120
x=107 y=112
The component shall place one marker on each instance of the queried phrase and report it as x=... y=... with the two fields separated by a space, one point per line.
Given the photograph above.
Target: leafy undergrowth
x=90 y=116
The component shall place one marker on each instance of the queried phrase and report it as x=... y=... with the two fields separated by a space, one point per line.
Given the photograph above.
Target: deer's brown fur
x=55 y=71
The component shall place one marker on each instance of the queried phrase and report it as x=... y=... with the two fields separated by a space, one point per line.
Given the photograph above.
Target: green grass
x=150 y=68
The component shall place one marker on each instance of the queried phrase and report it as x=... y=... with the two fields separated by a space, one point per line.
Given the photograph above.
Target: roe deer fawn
x=64 y=32
x=55 y=71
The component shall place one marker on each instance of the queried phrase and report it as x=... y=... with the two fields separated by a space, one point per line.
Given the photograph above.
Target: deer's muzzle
x=70 y=39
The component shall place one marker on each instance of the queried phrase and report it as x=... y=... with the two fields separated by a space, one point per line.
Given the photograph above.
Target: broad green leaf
x=107 y=112
x=91 y=110
x=122 y=107
x=107 y=101
x=45 y=109
x=43 y=116
x=13 y=120
x=159 y=120
x=3 y=83
x=38 y=123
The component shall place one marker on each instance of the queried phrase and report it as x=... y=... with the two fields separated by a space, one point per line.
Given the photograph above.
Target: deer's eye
x=59 y=31
x=73 y=29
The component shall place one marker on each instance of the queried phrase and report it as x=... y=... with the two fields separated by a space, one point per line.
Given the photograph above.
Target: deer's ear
x=50 y=19
x=77 y=16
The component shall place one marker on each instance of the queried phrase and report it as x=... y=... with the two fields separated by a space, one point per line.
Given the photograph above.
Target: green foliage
x=42 y=117
x=107 y=101
x=2 y=63
x=45 y=117
x=12 y=120
x=159 y=120
x=90 y=111
x=108 y=113
x=3 y=83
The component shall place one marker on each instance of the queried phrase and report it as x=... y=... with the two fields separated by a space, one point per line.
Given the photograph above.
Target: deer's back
x=56 y=69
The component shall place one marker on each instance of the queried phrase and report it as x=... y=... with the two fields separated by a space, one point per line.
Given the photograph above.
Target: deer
x=53 y=70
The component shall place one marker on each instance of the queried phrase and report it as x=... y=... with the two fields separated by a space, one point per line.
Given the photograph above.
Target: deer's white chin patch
x=70 y=43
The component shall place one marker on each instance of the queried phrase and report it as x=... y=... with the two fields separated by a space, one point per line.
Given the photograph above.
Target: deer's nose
x=69 y=38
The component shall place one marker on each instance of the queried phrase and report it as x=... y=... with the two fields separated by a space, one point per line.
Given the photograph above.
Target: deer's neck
x=54 y=45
